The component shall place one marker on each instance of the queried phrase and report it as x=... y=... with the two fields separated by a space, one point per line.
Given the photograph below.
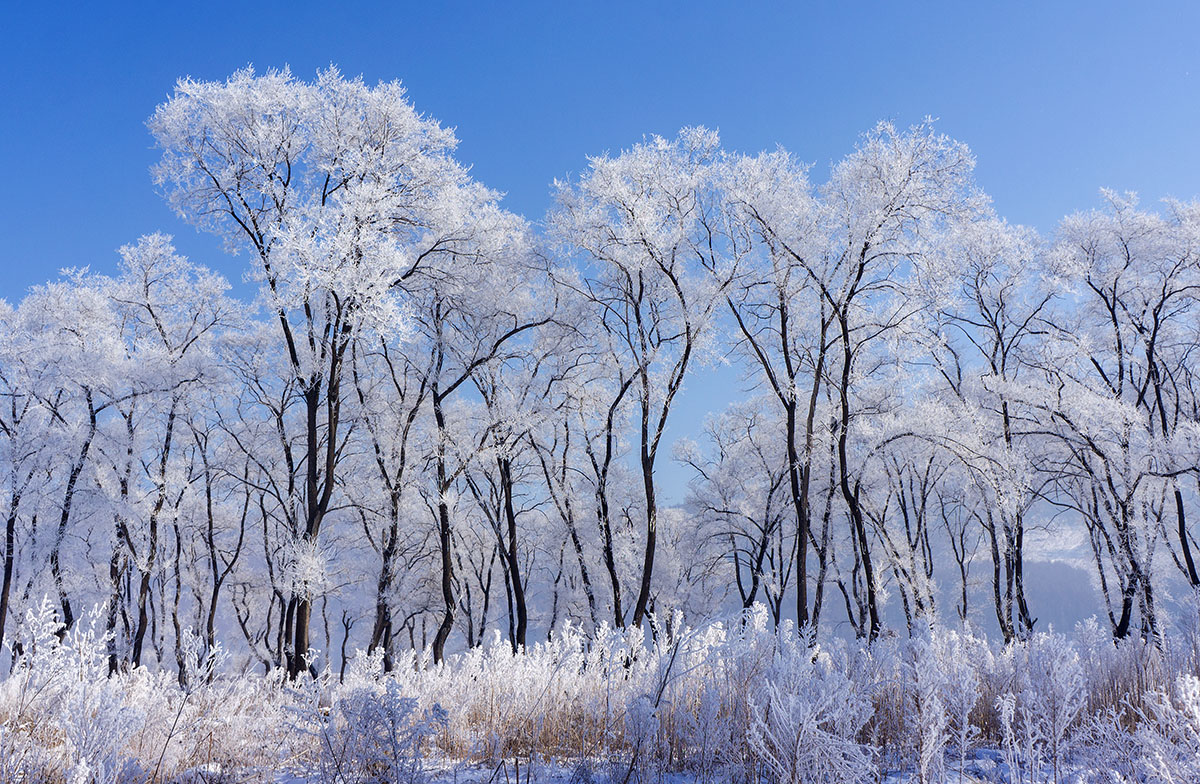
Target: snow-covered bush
x=963 y=660
x=1118 y=674
x=736 y=702
x=1170 y=735
x=62 y=714
x=378 y=734
x=728 y=662
x=806 y=721
x=1107 y=748
x=927 y=723
x=1045 y=701
x=927 y=693
x=362 y=730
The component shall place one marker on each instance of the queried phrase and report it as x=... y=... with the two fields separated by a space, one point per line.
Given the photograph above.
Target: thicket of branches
x=744 y=702
x=437 y=420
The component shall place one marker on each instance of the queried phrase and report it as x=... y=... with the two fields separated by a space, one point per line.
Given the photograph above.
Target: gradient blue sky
x=1056 y=99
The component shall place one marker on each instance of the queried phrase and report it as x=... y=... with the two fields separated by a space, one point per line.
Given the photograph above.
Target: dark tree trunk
x=511 y=554
x=444 y=538
x=643 y=598
x=858 y=524
x=10 y=551
x=151 y=553
x=68 y=617
x=381 y=632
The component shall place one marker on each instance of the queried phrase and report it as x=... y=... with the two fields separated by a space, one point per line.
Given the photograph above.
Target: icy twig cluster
x=738 y=701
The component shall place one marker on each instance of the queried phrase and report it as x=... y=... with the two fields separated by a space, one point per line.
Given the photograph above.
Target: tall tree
x=784 y=325
x=341 y=192
x=652 y=225
x=170 y=309
x=1113 y=402
x=988 y=337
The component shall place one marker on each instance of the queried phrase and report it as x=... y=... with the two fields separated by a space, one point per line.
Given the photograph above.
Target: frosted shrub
x=963 y=658
x=642 y=735
x=220 y=730
x=365 y=731
x=1047 y=697
x=1170 y=735
x=806 y=720
x=878 y=672
x=659 y=679
x=942 y=685
x=724 y=663
x=736 y=660
x=708 y=732
x=739 y=702
x=21 y=760
x=1108 y=749
x=1118 y=674
x=553 y=699
x=200 y=663
x=926 y=691
x=61 y=703
x=379 y=735
x=96 y=726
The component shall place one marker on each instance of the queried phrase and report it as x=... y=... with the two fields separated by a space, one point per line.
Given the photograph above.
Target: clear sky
x=1056 y=99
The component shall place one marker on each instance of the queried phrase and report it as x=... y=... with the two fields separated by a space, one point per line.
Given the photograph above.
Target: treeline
x=437 y=420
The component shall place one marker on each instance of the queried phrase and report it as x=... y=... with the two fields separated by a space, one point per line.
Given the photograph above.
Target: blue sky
x=1056 y=99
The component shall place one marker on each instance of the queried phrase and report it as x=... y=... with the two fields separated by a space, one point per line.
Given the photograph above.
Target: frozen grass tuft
x=729 y=702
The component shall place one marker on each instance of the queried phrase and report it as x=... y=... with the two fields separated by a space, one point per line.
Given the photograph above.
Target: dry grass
x=689 y=702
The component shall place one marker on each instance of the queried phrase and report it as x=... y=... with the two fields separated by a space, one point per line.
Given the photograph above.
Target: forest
x=401 y=514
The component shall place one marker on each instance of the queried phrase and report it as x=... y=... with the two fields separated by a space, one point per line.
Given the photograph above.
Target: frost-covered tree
x=873 y=260
x=660 y=254
x=988 y=338
x=738 y=503
x=784 y=325
x=85 y=374
x=473 y=314
x=342 y=193
x=170 y=310
x=24 y=437
x=1124 y=433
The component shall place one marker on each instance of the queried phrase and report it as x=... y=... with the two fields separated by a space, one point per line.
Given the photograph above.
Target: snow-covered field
x=732 y=702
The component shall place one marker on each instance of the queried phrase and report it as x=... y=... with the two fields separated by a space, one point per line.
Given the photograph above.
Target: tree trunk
x=444 y=538
x=514 y=563
x=68 y=617
x=381 y=632
x=151 y=552
x=643 y=598
x=10 y=547
x=862 y=545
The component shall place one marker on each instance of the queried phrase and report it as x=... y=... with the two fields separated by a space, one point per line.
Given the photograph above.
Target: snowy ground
x=982 y=766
